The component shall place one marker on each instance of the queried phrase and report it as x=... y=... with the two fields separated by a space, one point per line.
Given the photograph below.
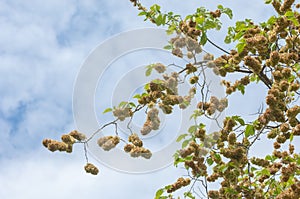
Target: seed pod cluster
x=135 y=140
x=159 y=67
x=90 y=168
x=189 y=28
x=197 y=165
x=77 y=135
x=231 y=88
x=108 y=142
x=152 y=121
x=122 y=113
x=136 y=149
x=188 y=43
x=213 y=105
x=66 y=144
x=181 y=182
x=216 y=14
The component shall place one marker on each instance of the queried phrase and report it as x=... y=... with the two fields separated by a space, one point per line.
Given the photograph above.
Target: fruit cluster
x=108 y=142
x=152 y=121
x=90 y=168
x=136 y=148
x=181 y=182
x=67 y=142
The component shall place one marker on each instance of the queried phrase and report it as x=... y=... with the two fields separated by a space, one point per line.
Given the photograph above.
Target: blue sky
x=42 y=46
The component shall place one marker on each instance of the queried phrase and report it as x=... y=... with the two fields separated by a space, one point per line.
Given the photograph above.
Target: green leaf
x=178 y=160
x=241 y=88
x=223 y=168
x=209 y=161
x=159 y=193
x=158 y=81
x=122 y=104
x=181 y=137
x=268 y=1
x=148 y=71
x=265 y=171
x=227 y=39
x=297 y=67
x=197 y=113
x=142 y=13
x=155 y=8
x=168 y=47
x=231 y=191
x=193 y=129
x=291 y=137
x=268 y=157
x=107 y=110
x=226 y=11
x=239 y=120
x=217 y=156
x=200 y=20
x=160 y=20
x=240 y=46
x=203 y=39
x=132 y=104
x=249 y=130
x=254 y=78
x=185 y=143
x=220 y=7
x=289 y=14
x=253 y=169
x=271 y=158
x=137 y=96
x=201 y=125
x=238 y=35
x=271 y=20
x=147 y=86
x=189 y=195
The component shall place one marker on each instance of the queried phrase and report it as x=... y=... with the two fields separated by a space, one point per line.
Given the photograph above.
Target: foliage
x=266 y=53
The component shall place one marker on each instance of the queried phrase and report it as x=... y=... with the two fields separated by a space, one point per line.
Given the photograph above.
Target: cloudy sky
x=42 y=47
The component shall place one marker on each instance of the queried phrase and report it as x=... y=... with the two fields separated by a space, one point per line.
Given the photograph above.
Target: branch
x=215 y=45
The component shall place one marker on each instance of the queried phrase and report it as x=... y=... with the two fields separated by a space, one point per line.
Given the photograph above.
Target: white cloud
x=45 y=175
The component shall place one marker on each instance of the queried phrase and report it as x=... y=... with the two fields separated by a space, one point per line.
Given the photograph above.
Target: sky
x=43 y=44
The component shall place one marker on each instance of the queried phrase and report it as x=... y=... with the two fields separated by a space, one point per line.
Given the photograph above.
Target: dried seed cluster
x=213 y=105
x=152 y=121
x=122 y=113
x=189 y=29
x=90 y=168
x=181 y=182
x=67 y=142
x=159 y=67
x=190 y=44
x=108 y=142
x=136 y=149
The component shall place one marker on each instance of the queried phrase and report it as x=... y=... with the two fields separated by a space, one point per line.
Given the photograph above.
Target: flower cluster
x=181 y=182
x=189 y=29
x=122 y=113
x=189 y=43
x=159 y=67
x=152 y=121
x=136 y=149
x=67 y=142
x=213 y=105
x=77 y=135
x=90 y=168
x=135 y=140
x=108 y=142
x=197 y=165
x=216 y=14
